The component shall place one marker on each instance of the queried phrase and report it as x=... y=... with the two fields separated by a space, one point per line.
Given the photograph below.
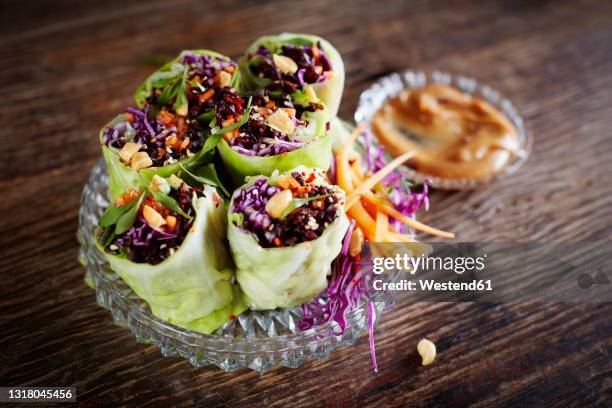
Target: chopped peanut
x=185 y=144
x=427 y=350
x=153 y=218
x=281 y=121
x=141 y=160
x=171 y=141
x=224 y=79
x=175 y=181
x=356 y=242
x=278 y=203
x=285 y=64
x=128 y=151
x=159 y=184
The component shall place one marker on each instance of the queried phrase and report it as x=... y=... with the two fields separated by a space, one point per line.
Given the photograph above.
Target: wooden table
x=67 y=67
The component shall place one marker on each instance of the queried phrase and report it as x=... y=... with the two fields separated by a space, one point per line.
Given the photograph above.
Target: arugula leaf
x=235 y=82
x=206 y=116
x=209 y=172
x=169 y=202
x=209 y=176
x=236 y=125
x=127 y=219
x=300 y=202
x=162 y=82
x=211 y=143
x=169 y=92
x=181 y=96
x=113 y=213
x=197 y=85
x=109 y=238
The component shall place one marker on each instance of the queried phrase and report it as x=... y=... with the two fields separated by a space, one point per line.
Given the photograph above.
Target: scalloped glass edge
x=258 y=340
x=388 y=86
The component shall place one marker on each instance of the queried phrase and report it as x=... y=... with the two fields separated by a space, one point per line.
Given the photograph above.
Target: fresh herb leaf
x=206 y=116
x=208 y=177
x=300 y=202
x=169 y=92
x=209 y=172
x=236 y=125
x=181 y=95
x=127 y=219
x=211 y=143
x=169 y=202
x=110 y=235
x=113 y=213
x=235 y=82
x=197 y=85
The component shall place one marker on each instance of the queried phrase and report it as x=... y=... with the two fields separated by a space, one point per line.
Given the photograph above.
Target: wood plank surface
x=67 y=67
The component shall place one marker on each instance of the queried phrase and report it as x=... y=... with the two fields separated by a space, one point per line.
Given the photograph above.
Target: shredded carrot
x=370 y=207
x=365 y=222
x=382 y=226
x=342 y=165
x=392 y=212
x=378 y=176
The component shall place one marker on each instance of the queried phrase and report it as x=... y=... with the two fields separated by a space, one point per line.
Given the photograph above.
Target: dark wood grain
x=66 y=67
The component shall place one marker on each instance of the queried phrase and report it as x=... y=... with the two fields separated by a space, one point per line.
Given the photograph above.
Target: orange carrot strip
x=382 y=226
x=342 y=165
x=378 y=176
x=366 y=223
x=392 y=212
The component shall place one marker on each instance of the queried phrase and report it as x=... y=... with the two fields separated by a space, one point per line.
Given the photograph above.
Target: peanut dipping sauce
x=453 y=135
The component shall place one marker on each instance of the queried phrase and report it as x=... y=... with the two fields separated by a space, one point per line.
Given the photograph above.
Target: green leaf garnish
x=211 y=143
x=169 y=202
x=300 y=202
x=208 y=177
x=127 y=219
x=197 y=85
x=169 y=92
x=113 y=213
x=208 y=172
x=206 y=116
x=236 y=125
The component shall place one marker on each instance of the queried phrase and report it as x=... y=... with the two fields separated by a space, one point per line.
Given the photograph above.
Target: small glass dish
x=387 y=87
x=258 y=340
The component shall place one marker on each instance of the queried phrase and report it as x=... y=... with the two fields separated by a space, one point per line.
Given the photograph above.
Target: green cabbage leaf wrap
x=329 y=91
x=192 y=287
x=285 y=276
